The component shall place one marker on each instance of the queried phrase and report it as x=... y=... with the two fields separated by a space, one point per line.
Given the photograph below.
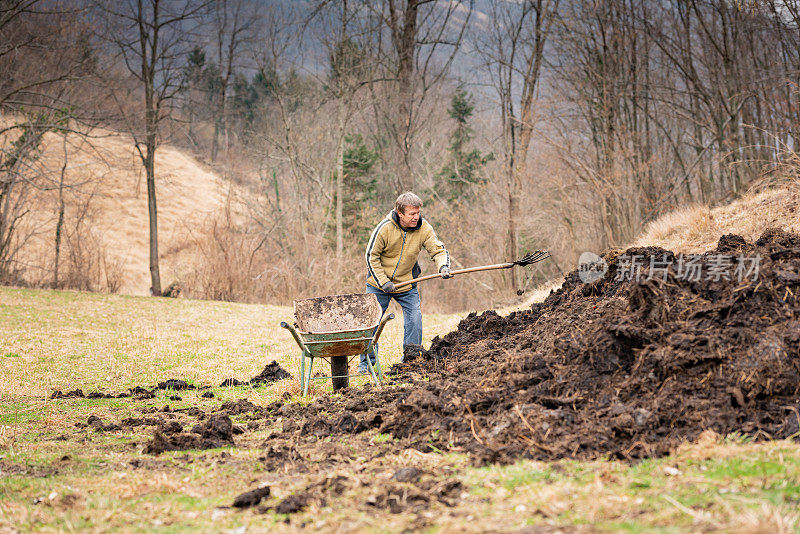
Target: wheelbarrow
x=338 y=328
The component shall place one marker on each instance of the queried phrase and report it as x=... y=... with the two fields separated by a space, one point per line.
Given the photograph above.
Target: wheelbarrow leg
x=303 y=353
x=378 y=368
x=302 y=370
x=373 y=346
x=308 y=378
x=372 y=369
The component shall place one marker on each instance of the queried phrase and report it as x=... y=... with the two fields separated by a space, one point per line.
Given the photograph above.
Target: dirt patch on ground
x=176 y=384
x=216 y=431
x=624 y=366
x=379 y=494
x=251 y=498
x=79 y=394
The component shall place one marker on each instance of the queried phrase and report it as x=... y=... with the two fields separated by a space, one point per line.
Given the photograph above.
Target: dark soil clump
x=251 y=498
x=74 y=394
x=271 y=373
x=216 y=431
x=293 y=503
x=97 y=423
x=626 y=366
x=217 y=427
x=280 y=457
x=79 y=394
x=142 y=393
x=141 y=421
x=175 y=384
x=241 y=406
x=137 y=392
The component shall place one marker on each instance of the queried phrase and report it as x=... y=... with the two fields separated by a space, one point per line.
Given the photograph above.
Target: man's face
x=410 y=218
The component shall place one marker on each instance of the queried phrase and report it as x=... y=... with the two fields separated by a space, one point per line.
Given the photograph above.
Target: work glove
x=445 y=272
x=388 y=287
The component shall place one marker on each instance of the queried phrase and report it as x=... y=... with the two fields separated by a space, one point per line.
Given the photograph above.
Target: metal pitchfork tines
x=531 y=258
x=528 y=259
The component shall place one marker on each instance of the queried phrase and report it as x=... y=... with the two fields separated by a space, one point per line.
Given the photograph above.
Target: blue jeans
x=412 y=317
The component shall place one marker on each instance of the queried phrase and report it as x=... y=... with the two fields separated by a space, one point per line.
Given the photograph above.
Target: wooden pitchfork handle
x=457 y=271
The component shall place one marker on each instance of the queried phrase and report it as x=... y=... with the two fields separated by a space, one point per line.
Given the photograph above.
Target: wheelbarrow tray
x=330 y=344
x=339 y=325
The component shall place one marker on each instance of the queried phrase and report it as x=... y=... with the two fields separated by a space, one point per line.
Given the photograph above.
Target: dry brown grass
x=697 y=228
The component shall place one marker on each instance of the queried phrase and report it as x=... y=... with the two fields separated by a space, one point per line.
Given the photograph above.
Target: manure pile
x=625 y=366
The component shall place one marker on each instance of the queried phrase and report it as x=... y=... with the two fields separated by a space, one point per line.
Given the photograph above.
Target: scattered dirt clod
x=251 y=498
x=271 y=373
x=407 y=474
x=293 y=503
x=175 y=384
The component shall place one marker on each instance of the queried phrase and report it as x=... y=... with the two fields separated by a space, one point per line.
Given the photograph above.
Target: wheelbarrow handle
x=384 y=320
x=295 y=335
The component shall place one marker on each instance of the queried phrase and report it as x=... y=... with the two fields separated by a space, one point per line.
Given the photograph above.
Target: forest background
x=565 y=125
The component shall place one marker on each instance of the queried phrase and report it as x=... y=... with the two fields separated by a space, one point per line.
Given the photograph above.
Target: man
x=392 y=253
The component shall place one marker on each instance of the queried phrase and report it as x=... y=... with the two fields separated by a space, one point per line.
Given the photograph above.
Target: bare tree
x=424 y=37
x=61 y=209
x=153 y=37
x=514 y=55
x=346 y=40
x=233 y=23
x=44 y=57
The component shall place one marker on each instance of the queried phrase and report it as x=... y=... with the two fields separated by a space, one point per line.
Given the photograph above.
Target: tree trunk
x=215 y=138
x=404 y=36
x=340 y=178
x=152 y=209
x=60 y=222
x=512 y=235
x=5 y=223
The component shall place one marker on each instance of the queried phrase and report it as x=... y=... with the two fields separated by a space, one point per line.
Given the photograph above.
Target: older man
x=392 y=253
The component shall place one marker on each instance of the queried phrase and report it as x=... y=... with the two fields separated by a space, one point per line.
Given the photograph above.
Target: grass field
x=56 y=476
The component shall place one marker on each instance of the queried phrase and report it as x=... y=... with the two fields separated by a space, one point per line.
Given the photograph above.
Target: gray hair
x=407 y=199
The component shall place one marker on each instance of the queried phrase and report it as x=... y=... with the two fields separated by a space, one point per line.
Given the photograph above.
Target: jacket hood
x=396 y=219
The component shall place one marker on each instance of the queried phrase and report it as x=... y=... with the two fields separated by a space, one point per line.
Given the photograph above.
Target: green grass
x=66 y=340
x=756 y=487
x=382 y=438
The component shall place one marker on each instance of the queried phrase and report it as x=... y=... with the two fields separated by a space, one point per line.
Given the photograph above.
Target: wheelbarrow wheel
x=339 y=371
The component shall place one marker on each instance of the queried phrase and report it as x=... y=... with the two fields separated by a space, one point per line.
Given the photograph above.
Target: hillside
x=106 y=180
x=697 y=228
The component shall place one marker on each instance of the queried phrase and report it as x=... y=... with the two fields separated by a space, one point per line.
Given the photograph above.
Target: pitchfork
x=528 y=259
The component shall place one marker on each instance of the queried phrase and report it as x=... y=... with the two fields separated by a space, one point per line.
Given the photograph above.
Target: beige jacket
x=392 y=251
